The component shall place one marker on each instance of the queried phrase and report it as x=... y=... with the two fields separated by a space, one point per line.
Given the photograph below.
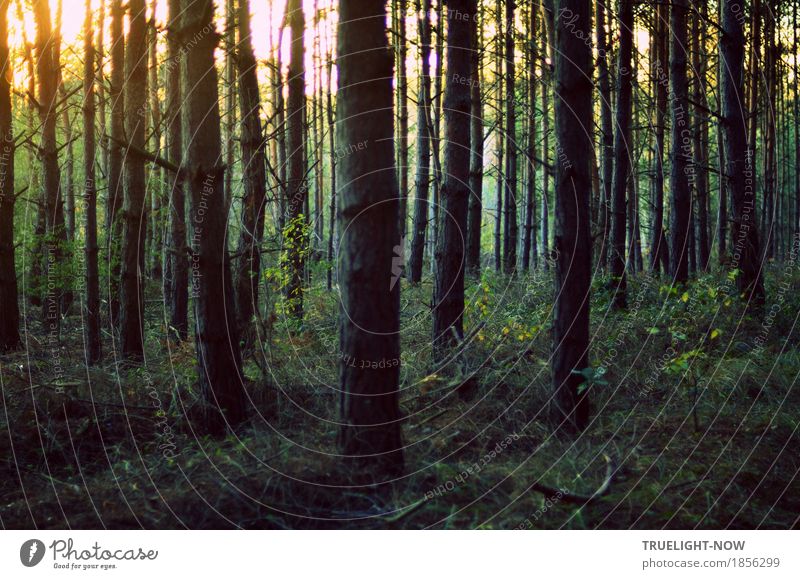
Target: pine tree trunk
x=217 y=340
x=254 y=177
x=47 y=72
x=622 y=155
x=402 y=97
x=573 y=246
x=548 y=169
x=510 y=241
x=659 y=260
x=700 y=146
x=681 y=203
x=295 y=238
x=176 y=283
x=746 y=252
x=448 y=301
x=116 y=95
x=423 y=147
x=9 y=304
x=499 y=140
x=134 y=210
x=370 y=435
x=529 y=242
x=92 y=328
x=475 y=216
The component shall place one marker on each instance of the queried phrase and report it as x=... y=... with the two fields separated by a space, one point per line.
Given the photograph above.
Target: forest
x=399 y=264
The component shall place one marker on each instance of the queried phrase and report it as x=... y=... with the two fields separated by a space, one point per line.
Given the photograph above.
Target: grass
x=695 y=404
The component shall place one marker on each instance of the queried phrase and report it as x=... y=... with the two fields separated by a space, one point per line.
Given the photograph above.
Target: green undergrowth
x=694 y=415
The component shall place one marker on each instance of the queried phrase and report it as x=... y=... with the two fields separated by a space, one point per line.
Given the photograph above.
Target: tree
x=746 y=251
x=511 y=233
x=658 y=244
x=448 y=299
x=254 y=175
x=402 y=107
x=573 y=248
x=420 y=224
x=93 y=344
x=368 y=220
x=47 y=71
x=622 y=153
x=116 y=94
x=9 y=304
x=529 y=240
x=176 y=281
x=475 y=215
x=217 y=341
x=295 y=231
x=681 y=147
x=606 y=130
x=134 y=209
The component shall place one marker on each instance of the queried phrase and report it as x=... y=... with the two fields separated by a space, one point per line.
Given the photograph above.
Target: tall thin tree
x=368 y=220
x=573 y=246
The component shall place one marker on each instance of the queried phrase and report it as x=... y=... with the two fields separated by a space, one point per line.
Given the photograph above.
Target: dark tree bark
x=475 y=211
x=134 y=209
x=331 y=113
x=510 y=239
x=402 y=102
x=176 y=282
x=368 y=220
x=47 y=71
x=448 y=301
x=92 y=328
x=622 y=154
x=770 y=225
x=529 y=240
x=9 y=304
x=700 y=146
x=607 y=131
x=681 y=150
x=68 y=174
x=745 y=251
x=254 y=176
x=116 y=94
x=158 y=176
x=573 y=246
x=423 y=147
x=295 y=238
x=499 y=140
x=217 y=340
x=547 y=49
x=658 y=243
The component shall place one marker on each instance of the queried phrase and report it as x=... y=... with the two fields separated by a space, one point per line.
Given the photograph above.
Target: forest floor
x=695 y=415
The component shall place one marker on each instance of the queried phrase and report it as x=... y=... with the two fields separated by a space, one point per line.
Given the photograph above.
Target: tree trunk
x=176 y=283
x=573 y=245
x=499 y=141
x=217 y=340
x=475 y=216
x=93 y=346
x=402 y=97
x=423 y=147
x=254 y=177
x=448 y=311
x=681 y=149
x=746 y=252
x=47 y=71
x=295 y=238
x=622 y=154
x=529 y=242
x=116 y=94
x=659 y=259
x=547 y=40
x=9 y=304
x=700 y=160
x=368 y=220
x=607 y=132
x=510 y=241
x=134 y=210
x=157 y=188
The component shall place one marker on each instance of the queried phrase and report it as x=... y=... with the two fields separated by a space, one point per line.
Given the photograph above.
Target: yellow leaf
x=685 y=297
x=715 y=334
